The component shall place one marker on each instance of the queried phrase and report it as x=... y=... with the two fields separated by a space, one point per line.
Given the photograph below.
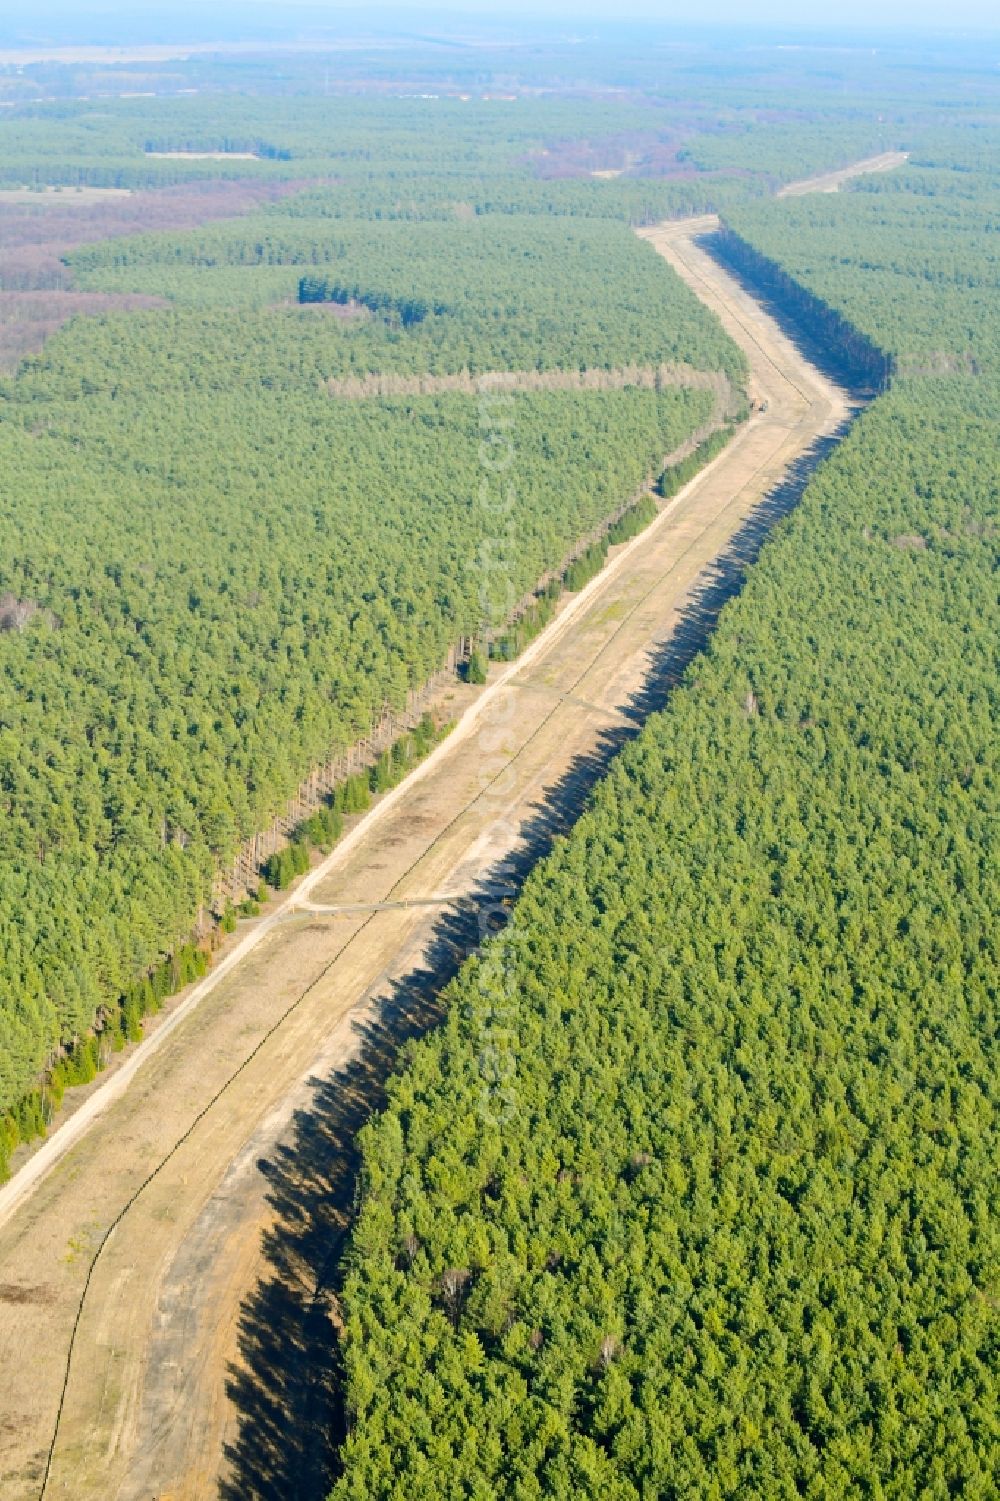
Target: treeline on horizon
x=401 y=154
x=695 y=1190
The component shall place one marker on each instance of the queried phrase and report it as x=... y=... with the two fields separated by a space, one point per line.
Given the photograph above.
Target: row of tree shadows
x=829 y=357
x=288 y=1387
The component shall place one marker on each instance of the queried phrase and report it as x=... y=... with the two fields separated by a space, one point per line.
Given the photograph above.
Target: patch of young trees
x=677 y=475
x=408 y=310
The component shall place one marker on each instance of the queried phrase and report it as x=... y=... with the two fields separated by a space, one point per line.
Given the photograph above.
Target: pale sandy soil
x=831 y=182
x=205 y=156
x=61 y=195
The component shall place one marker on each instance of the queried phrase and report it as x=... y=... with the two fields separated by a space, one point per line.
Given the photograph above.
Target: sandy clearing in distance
x=831 y=182
x=205 y=156
x=55 y=194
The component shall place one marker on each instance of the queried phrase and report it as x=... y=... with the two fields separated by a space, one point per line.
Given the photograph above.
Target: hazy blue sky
x=104 y=20
x=871 y=13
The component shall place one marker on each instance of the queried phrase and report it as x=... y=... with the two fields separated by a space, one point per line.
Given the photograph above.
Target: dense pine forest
x=695 y=1192
x=216 y=572
x=909 y=257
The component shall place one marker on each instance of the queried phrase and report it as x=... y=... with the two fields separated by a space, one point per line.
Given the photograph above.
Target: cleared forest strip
x=466 y=383
x=242 y=876
x=389 y=827
x=47 y=1247
x=831 y=182
x=232 y=1072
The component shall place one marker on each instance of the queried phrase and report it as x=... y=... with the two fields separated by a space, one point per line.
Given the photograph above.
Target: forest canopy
x=695 y=1192
x=215 y=574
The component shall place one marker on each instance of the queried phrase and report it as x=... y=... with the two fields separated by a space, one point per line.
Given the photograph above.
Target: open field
x=168 y=1178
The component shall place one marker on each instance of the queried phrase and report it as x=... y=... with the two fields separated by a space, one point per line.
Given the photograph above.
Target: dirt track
x=831 y=182
x=146 y=1412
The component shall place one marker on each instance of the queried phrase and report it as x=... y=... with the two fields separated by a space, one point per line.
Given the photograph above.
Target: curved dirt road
x=145 y=1412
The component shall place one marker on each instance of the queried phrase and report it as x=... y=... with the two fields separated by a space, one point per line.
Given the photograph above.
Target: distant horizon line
x=305 y=23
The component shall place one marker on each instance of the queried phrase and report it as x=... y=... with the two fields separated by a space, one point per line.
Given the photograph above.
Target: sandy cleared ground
x=60 y=196
x=205 y=156
x=167 y=1184
x=831 y=182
